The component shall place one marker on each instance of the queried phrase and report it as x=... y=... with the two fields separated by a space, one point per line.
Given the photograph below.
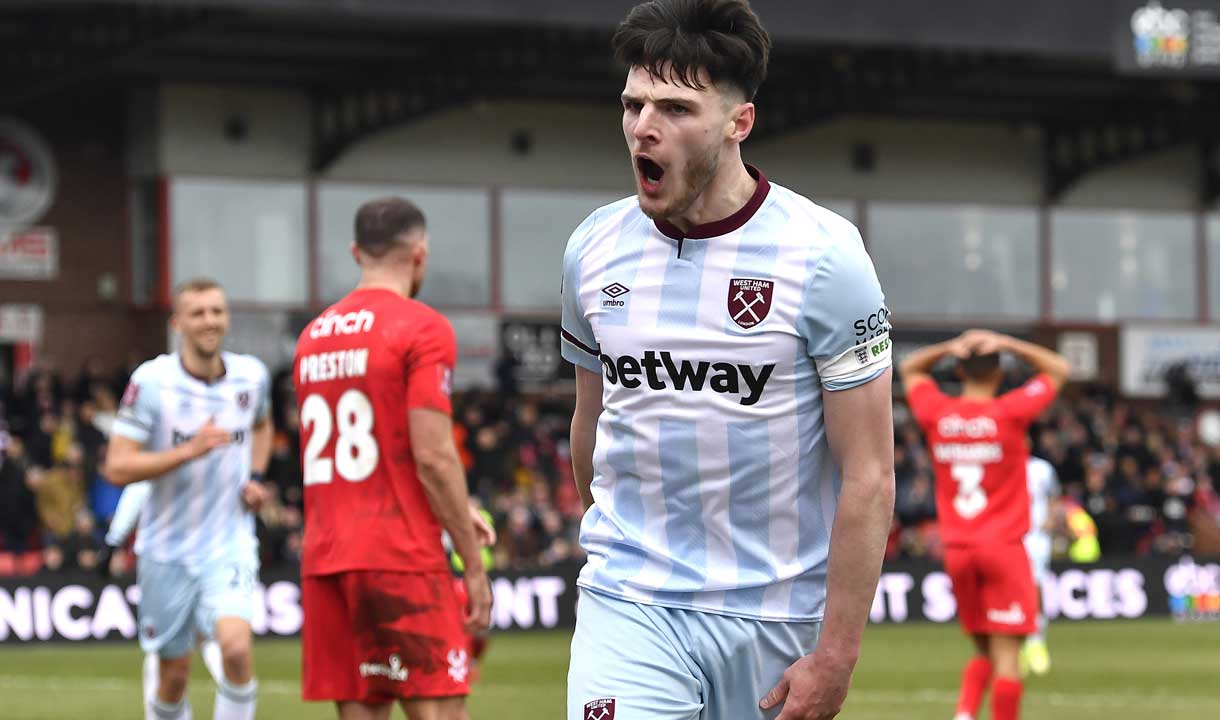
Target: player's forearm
x=857 y=547
x=444 y=484
x=262 y=438
x=583 y=438
x=924 y=359
x=1043 y=360
x=127 y=514
x=127 y=468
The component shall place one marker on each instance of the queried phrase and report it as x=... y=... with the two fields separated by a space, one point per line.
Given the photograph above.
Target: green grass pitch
x=1101 y=671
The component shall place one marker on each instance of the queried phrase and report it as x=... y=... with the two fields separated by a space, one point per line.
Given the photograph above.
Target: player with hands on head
x=980 y=454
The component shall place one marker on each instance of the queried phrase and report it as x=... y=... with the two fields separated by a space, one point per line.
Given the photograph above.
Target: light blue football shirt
x=715 y=488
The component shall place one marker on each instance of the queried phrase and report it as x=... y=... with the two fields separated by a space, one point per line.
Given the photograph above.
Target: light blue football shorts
x=179 y=602
x=642 y=662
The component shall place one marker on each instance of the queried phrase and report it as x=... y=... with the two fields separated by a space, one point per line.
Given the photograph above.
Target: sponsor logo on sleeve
x=873 y=325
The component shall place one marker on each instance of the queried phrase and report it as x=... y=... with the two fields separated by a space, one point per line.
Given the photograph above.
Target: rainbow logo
x=1161 y=36
x=1194 y=590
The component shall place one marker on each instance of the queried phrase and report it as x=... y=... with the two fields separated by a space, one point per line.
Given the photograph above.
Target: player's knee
x=236 y=653
x=451 y=708
x=174 y=676
x=238 y=660
x=234 y=638
x=235 y=648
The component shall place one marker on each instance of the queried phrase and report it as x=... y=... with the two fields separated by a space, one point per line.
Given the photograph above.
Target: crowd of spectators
x=1143 y=475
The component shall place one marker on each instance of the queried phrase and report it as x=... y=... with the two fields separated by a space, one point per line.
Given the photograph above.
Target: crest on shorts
x=749 y=301
x=602 y=709
x=243 y=399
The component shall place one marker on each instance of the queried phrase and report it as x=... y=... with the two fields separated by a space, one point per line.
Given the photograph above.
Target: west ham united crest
x=243 y=399
x=600 y=709
x=749 y=301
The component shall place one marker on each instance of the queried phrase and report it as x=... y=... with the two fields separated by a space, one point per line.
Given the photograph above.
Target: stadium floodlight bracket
x=1074 y=149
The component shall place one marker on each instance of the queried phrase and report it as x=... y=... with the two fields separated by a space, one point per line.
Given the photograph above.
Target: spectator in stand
x=18 y=512
x=78 y=548
x=1146 y=479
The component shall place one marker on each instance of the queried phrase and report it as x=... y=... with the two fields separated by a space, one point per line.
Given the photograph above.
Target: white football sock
x=152 y=677
x=212 y=659
x=166 y=711
x=235 y=702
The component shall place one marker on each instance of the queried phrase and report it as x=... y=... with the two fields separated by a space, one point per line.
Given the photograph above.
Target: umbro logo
x=614 y=291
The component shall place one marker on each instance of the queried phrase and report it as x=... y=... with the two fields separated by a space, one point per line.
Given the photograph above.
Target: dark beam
x=1209 y=161
x=1072 y=149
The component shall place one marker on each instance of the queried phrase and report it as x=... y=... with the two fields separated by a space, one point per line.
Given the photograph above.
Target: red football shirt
x=979 y=452
x=359 y=367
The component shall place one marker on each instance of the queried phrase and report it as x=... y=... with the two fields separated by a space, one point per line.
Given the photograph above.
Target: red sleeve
x=925 y=400
x=1027 y=402
x=429 y=363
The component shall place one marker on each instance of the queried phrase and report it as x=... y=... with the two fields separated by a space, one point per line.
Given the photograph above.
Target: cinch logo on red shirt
x=332 y=323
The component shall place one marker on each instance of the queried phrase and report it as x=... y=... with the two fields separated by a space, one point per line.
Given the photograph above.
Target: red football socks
x=1006 y=699
x=975 y=677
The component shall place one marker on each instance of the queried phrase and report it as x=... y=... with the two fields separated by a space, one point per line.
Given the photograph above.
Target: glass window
x=1110 y=266
x=956 y=261
x=459 y=228
x=476 y=341
x=537 y=224
x=249 y=235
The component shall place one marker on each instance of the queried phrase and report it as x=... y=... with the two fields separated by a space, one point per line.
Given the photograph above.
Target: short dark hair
x=194 y=285
x=980 y=367
x=723 y=37
x=381 y=223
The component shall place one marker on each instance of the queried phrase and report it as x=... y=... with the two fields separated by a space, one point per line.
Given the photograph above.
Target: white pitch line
x=111 y=684
x=1154 y=698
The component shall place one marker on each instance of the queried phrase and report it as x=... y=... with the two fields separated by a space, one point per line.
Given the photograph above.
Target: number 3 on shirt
x=356 y=450
x=970 y=499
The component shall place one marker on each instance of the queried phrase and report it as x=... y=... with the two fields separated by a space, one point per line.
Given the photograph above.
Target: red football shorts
x=994 y=587
x=376 y=636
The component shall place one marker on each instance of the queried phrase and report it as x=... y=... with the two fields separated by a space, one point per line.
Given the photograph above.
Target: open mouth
x=650 y=173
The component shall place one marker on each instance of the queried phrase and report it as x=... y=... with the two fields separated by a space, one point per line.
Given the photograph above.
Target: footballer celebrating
x=196 y=424
x=732 y=439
